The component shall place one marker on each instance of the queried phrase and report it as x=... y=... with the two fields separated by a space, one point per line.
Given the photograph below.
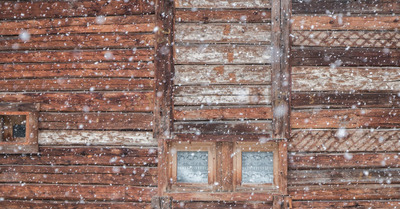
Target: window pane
x=257 y=167
x=192 y=167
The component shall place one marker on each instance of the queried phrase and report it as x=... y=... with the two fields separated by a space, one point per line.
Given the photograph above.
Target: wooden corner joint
x=164 y=202
x=282 y=202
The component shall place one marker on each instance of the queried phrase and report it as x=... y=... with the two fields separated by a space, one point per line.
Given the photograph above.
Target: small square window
x=192 y=167
x=257 y=167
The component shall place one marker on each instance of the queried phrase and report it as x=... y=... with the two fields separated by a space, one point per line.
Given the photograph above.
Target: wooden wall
x=345 y=148
x=222 y=67
x=90 y=66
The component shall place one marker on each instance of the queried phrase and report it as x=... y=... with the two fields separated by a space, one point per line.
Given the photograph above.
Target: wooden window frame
x=240 y=147
x=174 y=147
x=30 y=143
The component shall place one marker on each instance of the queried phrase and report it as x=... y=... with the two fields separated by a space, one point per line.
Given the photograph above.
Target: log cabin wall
x=90 y=66
x=344 y=150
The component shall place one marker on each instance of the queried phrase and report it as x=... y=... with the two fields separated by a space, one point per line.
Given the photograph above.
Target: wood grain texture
x=344 y=100
x=345 y=79
x=115 y=175
x=71 y=84
x=15 y=204
x=220 y=74
x=77 y=56
x=226 y=15
x=78 y=41
x=112 y=24
x=345 y=177
x=222 y=205
x=51 y=9
x=342 y=140
x=222 y=4
x=386 y=39
x=346 y=118
x=81 y=70
x=335 y=57
x=96 y=121
x=344 y=6
x=231 y=127
x=378 y=204
x=77 y=192
x=221 y=95
x=249 y=33
x=72 y=101
x=111 y=138
x=222 y=54
x=222 y=113
x=367 y=192
x=343 y=160
x=336 y=22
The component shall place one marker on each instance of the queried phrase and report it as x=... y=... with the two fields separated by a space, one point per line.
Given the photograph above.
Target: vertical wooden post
x=224 y=166
x=164 y=71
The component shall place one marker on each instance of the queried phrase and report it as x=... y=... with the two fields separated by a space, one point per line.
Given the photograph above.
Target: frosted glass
x=257 y=167
x=192 y=167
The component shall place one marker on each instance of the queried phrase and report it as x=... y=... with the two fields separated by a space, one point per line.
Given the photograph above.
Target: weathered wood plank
x=85 y=156
x=99 y=101
x=78 y=41
x=249 y=33
x=344 y=177
x=226 y=15
x=344 y=100
x=346 y=118
x=222 y=54
x=345 y=79
x=71 y=137
x=231 y=127
x=222 y=205
x=336 y=57
x=88 y=84
x=337 y=22
x=345 y=6
x=220 y=74
x=51 y=9
x=77 y=192
x=378 y=204
x=221 y=95
x=222 y=4
x=224 y=196
x=222 y=113
x=110 y=24
x=15 y=204
x=78 y=56
x=343 y=160
x=97 y=69
x=366 y=192
x=79 y=175
x=342 y=140
x=387 y=39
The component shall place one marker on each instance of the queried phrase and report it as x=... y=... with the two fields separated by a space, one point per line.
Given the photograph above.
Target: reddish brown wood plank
x=111 y=24
x=336 y=57
x=344 y=100
x=337 y=22
x=206 y=16
x=115 y=175
x=104 y=121
x=88 y=84
x=15 y=204
x=345 y=79
x=76 y=193
x=378 y=204
x=344 y=6
x=346 y=118
x=223 y=196
x=342 y=140
x=231 y=127
x=366 y=192
x=344 y=177
x=222 y=113
x=222 y=205
x=81 y=41
x=222 y=4
x=77 y=56
x=50 y=9
x=223 y=137
x=343 y=160
x=100 y=101
x=97 y=69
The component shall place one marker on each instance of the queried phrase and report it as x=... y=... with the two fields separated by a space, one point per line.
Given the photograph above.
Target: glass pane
x=12 y=128
x=257 y=167
x=192 y=167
